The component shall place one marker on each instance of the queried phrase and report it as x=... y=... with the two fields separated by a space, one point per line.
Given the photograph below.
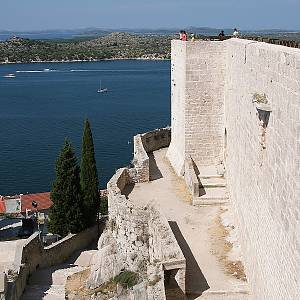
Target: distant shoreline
x=83 y=60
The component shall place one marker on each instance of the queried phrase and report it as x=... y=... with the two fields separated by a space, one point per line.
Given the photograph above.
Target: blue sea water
x=39 y=108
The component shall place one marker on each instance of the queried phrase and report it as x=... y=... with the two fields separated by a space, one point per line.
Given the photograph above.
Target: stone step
x=209 y=172
x=225 y=295
x=206 y=202
x=217 y=192
x=56 y=290
x=213 y=182
x=59 y=277
x=212 y=196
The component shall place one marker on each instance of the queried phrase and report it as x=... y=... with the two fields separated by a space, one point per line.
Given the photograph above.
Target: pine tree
x=89 y=177
x=66 y=213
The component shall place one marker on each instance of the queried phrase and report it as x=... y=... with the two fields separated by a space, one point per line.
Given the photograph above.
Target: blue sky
x=70 y=14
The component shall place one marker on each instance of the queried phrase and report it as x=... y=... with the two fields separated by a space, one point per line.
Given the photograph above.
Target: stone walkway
x=206 y=278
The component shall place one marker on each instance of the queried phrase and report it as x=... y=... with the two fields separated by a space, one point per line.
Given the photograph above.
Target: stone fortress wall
x=214 y=118
x=197 y=103
x=137 y=238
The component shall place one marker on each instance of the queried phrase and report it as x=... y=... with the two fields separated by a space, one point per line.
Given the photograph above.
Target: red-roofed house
x=42 y=203
x=42 y=200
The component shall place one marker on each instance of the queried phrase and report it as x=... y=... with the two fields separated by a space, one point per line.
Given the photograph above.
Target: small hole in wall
x=263 y=117
x=271 y=80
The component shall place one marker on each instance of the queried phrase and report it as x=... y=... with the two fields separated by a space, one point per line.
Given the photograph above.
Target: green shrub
x=127 y=279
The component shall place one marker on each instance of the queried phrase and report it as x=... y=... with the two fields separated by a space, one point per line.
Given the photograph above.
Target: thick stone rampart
x=218 y=113
x=198 y=79
x=263 y=163
x=138 y=239
x=127 y=223
x=146 y=143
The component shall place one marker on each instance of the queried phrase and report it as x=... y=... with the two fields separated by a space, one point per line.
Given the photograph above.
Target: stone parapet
x=127 y=223
x=146 y=143
x=137 y=238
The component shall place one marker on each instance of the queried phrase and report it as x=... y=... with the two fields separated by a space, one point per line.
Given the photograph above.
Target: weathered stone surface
x=214 y=119
x=197 y=103
x=265 y=180
x=138 y=239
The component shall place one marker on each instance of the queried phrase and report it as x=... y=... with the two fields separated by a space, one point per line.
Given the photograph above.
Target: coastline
x=84 y=60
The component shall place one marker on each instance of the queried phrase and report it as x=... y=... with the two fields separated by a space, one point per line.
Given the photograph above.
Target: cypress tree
x=89 y=177
x=66 y=213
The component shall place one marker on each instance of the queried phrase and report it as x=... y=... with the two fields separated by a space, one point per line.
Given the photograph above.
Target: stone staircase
x=213 y=189
x=49 y=284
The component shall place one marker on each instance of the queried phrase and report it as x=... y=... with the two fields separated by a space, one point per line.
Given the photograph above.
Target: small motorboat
x=102 y=90
x=11 y=75
x=46 y=70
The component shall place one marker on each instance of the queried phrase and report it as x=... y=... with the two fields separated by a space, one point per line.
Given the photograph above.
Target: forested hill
x=112 y=46
x=117 y=45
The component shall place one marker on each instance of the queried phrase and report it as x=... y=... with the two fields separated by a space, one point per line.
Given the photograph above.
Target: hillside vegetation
x=117 y=45
x=112 y=46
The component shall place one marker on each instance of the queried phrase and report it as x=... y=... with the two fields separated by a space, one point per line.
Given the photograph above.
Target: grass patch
x=127 y=279
x=155 y=280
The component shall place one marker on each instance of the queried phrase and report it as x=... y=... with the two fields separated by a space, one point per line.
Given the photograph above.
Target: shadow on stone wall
x=195 y=281
x=154 y=172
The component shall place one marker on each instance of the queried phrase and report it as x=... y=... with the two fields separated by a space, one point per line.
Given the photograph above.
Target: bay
x=47 y=102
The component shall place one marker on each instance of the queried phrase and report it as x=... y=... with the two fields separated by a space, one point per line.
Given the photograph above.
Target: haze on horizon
x=18 y=15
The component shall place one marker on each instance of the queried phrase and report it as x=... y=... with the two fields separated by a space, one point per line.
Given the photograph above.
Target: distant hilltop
x=116 y=45
x=98 y=32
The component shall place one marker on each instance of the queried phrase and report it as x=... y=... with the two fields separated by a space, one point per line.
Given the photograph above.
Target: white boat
x=46 y=70
x=9 y=76
x=101 y=90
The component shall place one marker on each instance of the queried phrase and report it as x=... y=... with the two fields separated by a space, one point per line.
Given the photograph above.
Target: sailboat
x=101 y=90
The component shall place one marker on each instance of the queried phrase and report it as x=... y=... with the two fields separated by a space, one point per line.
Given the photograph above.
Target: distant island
x=93 y=45
x=112 y=46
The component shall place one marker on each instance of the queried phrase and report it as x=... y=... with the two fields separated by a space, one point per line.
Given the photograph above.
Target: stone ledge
x=146 y=143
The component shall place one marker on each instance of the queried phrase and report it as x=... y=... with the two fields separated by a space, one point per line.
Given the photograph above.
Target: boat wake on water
x=37 y=71
x=112 y=70
x=81 y=70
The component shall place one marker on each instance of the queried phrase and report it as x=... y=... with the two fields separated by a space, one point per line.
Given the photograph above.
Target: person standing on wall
x=180 y=34
x=235 y=33
x=184 y=36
